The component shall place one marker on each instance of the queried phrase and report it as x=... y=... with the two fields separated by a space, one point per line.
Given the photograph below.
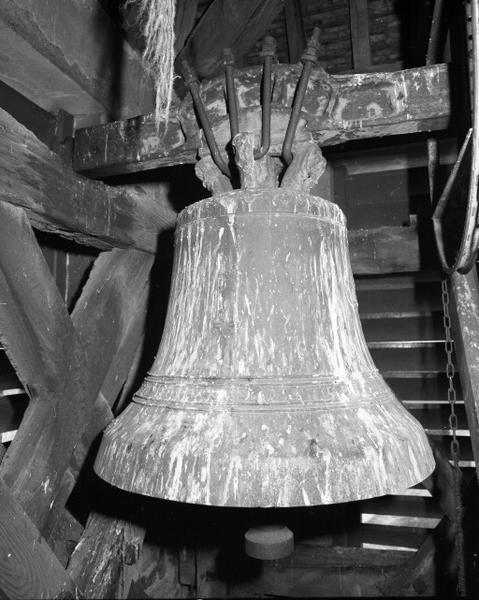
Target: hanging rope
x=157 y=20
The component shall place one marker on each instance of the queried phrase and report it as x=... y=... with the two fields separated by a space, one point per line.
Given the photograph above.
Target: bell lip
x=252 y=505
x=145 y=467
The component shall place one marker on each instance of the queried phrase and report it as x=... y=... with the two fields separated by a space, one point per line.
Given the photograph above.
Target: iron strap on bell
x=263 y=392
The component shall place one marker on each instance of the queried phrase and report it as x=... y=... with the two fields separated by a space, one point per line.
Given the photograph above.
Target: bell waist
x=264 y=394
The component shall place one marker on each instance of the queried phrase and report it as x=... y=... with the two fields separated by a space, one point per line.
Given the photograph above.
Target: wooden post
x=49 y=352
x=358 y=15
x=464 y=310
x=103 y=563
x=28 y=568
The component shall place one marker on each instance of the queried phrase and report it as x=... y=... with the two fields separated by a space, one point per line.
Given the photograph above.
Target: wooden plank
x=428 y=572
x=35 y=328
x=426 y=328
x=133 y=316
x=28 y=569
x=38 y=458
x=57 y=200
x=108 y=318
x=464 y=310
x=294 y=30
x=404 y=102
x=421 y=299
x=316 y=572
x=359 y=21
x=104 y=562
x=41 y=342
x=376 y=250
x=85 y=69
x=227 y=24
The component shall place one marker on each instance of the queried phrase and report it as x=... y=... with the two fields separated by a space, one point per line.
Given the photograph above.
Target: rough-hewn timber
x=336 y=109
x=57 y=200
x=70 y=55
x=28 y=567
x=132 y=322
x=376 y=250
x=310 y=572
x=41 y=342
x=39 y=456
x=104 y=561
x=464 y=291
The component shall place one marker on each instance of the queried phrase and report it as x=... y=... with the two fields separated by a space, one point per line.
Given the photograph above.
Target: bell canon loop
x=263 y=392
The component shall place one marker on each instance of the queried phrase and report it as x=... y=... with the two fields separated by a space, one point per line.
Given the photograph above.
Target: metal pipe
x=268 y=53
x=228 y=61
x=309 y=57
x=192 y=82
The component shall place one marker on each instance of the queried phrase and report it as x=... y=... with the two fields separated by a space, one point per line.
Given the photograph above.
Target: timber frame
x=74 y=365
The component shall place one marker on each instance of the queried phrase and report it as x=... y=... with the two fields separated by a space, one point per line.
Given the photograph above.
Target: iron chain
x=454 y=445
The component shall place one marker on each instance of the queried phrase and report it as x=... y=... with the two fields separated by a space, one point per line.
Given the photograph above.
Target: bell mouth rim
x=244 y=464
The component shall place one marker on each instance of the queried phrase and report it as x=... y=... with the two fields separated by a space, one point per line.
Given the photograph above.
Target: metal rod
x=228 y=61
x=193 y=85
x=310 y=56
x=268 y=52
x=433 y=45
x=433 y=49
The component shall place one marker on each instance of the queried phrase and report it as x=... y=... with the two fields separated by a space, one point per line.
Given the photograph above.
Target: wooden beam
x=35 y=329
x=430 y=571
x=464 y=310
x=29 y=568
x=132 y=322
x=331 y=571
x=84 y=69
x=341 y=108
x=38 y=458
x=227 y=24
x=359 y=20
x=57 y=200
x=42 y=344
x=104 y=562
x=108 y=318
x=294 y=29
x=375 y=251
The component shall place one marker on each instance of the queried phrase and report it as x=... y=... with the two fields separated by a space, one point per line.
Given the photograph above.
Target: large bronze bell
x=263 y=392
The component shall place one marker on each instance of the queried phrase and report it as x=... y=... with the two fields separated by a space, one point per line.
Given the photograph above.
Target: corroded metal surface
x=263 y=392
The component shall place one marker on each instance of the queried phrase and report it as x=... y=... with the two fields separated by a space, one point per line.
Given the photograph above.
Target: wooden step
x=398 y=281
x=10 y=386
x=434 y=418
x=427 y=328
x=431 y=387
x=465 y=449
x=427 y=357
x=387 y=535
x=401 y=505
x=399 y=303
